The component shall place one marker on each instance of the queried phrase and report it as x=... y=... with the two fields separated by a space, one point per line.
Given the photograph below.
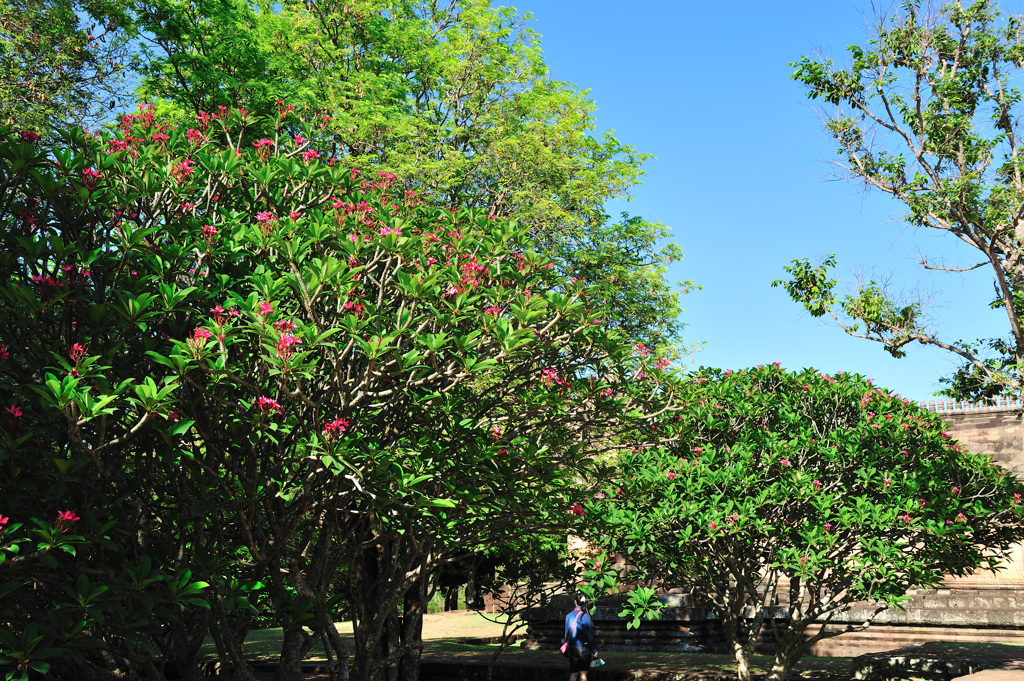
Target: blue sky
x=741 y=175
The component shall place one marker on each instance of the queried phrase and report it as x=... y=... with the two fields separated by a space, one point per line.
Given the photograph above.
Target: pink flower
x=600 y=495
x=960 y=517
x=906 y=518
x=28 y=136
x=713 y=526
x=183 y=170
x=492 y=311
x=696 y=450
x=286 y=346
x=776 y=364
x=670 y=475
x=946 y=433
x=1016 y=499
x=335 y=428
x=310 y=155
x=266 y=405
x=828 y=527
x=734 y=518
x=886 y=481
x=817 y=484
x=642 y=350
x=662 y=363
x=209 y=231
x=91 y=176
x=13 y=412
x=784 y=463
x=577 y=510
x=265 y=308
x=77 y=352
x=67 y=516
x=263 y=148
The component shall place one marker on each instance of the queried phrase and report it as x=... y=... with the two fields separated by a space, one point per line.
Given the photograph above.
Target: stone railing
x=947 y=406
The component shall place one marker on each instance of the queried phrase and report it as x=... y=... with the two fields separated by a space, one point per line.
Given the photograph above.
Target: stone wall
x=995 y=430
x=986 y=429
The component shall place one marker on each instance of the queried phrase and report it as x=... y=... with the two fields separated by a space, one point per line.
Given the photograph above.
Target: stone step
x=952 y=617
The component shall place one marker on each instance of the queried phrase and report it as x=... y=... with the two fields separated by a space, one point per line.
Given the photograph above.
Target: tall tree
x=928 y=112
x=452 y=97
x=826 y=485
x=63 y=61
x=267 y=386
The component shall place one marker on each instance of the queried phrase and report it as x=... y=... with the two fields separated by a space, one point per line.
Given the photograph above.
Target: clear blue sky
x=741 y=174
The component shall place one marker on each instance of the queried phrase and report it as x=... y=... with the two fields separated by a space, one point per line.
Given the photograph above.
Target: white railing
x=947 y=406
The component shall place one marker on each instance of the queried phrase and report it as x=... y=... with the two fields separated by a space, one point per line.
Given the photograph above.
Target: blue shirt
x=584 y=629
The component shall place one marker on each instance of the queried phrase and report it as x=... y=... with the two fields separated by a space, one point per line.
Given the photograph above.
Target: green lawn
x=442 y=633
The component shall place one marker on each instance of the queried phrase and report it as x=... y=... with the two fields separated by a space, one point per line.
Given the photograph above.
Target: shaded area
x=940 y=661
x=446 y=655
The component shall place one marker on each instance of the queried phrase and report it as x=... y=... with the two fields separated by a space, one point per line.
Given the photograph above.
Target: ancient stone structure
x=998 y=431
x=983 y=607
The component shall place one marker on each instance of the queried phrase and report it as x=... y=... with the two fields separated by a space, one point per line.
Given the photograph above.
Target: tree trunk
x=339 y=648
x=742 y=651
x=290 y=666
x=231 y=637
x=742 y=661
x=471 y=599
x=780 y=668
x=414 y=605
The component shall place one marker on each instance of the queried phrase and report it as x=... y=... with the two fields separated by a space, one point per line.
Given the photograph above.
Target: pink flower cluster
x=183 y=170
x=209 y=231
x=90 y=177
x=265 y=405
x=197 y=341
x=263 y=148
x=335 y=428
x=286 y=346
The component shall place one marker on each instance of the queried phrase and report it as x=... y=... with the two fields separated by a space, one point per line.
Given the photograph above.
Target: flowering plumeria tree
x=827 y=485
x=272 y=389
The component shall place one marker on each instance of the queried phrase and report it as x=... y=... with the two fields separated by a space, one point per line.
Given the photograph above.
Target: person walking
x=579 y=634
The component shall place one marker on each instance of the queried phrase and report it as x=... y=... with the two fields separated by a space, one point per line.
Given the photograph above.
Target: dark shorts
x=579 y=658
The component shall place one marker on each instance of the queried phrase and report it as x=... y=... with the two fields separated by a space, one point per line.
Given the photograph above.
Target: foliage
x=455 y=99
x=62 y=60
x=271 y=389
x=823 y=483
x=926 y=113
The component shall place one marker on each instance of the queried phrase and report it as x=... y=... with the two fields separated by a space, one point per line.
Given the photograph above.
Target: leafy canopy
x=841 y=490
x=927 y=111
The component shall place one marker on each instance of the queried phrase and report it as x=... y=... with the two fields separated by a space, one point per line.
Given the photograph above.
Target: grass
x=443 y=633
